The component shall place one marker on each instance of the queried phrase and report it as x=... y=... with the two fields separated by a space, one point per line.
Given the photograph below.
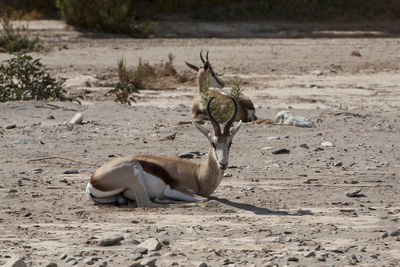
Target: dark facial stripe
x=157 y=171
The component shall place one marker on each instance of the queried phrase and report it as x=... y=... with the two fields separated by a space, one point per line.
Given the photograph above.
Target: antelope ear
x=236 y=128
x=193 y=67
x=202 y=129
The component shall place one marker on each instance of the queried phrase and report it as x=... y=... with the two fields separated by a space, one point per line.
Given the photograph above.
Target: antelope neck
x=201 y=78
x=209 y=175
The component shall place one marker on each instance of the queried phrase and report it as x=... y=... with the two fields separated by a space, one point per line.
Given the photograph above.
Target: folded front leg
x=136 y=189
x=178 y=195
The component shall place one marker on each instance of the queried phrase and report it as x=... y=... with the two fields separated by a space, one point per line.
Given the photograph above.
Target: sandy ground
x=285 y=209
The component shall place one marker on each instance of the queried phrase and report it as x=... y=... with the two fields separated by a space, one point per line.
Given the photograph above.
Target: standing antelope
x=153 y=180
x=207 y=77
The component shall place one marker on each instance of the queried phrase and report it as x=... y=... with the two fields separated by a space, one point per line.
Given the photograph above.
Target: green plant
x=16 y=39
x=124 y=89
x=237 y=89
x=25 y=78
x=221 y=110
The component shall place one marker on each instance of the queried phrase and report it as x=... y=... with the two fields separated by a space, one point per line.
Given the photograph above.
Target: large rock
x=111 y=241
x=151 y=244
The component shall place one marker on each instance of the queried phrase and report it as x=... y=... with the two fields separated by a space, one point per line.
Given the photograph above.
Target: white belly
x=155 y=186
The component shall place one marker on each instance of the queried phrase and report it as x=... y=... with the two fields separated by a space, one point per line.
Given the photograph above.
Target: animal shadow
x=259 y=210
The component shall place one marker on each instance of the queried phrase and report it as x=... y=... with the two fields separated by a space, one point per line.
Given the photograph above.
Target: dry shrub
x=16 y=39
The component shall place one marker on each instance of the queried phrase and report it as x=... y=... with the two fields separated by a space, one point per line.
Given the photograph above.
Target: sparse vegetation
x=220 y=111
x=25 y=78
x=16 y=39
x=124 y=89
x=144 y=76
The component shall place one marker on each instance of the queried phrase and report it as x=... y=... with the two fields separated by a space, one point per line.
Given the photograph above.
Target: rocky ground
x=331 y=199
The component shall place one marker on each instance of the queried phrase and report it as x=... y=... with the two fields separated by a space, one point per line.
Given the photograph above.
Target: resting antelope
x=152 y=180
x=207 y=76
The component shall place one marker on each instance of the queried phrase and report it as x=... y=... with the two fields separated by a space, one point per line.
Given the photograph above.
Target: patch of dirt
x=270 y=209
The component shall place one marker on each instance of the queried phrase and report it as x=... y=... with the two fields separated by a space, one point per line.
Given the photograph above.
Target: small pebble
x=304 y=146
x=111 y=241
x=327 y=144
x=71 y=171
x=140 y=250
x=72 y=262
x=51 y=264
x=149 y=262
x=281 y=151
x=309 y=254
x=154 y=254
x=37 y=170
x=248 y=188
x=374 y=256
x=338 y=250
x=267 y=148
x=338 y=164
x=293 y=259
x=77 y=118
x=137 y=257
x=321 y=258
x=203 y=264
x=384 y=235
x=395 y=233
x=186 y=156
x=165 y=242
x=24 y=141
x=50 y=117
x=353 y=193
x=12 y=126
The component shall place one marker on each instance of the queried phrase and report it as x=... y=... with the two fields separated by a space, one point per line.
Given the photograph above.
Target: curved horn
x=201 y=56
x=207 y=56
x=215 y=124
x=193 y=67
x=231 y=119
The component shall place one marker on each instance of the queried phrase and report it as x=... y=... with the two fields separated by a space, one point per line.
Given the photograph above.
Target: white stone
x=151 y=244
x=289 y=118
x=267 y=148
x=77 y=118
x=327 y=144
